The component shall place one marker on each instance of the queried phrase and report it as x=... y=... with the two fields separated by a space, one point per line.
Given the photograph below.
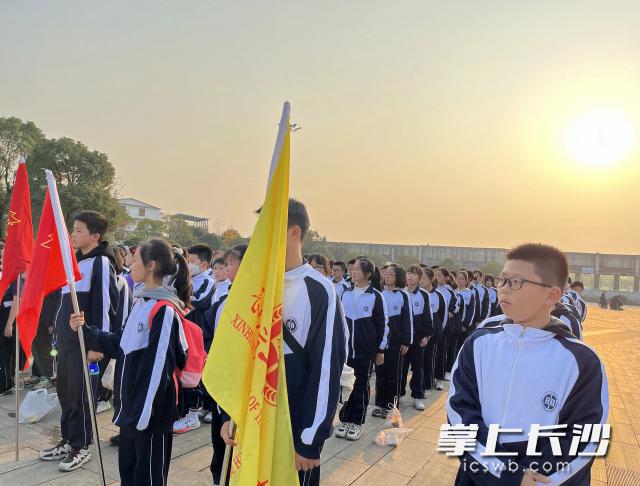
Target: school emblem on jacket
x=395 y=307
x=291 y=324
x=550 y=401
x=140 y=327
x=366 y=308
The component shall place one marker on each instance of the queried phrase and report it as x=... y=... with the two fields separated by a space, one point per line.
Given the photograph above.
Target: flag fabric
x=19 y=241
x=244 y=371
x=52 y=266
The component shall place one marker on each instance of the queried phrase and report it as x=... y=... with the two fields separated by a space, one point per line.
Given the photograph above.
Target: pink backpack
x=191 y=374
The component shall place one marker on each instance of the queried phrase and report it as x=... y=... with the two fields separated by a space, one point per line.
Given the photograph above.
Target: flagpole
x=227 y=455
x=17 y=367
x=87 y=380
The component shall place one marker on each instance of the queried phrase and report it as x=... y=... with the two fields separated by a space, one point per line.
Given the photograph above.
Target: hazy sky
x=423 y=121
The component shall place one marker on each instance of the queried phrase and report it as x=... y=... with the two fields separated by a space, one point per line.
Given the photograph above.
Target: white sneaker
x=103 y=407
x=208 y=418
x=75 y=459
x=186 y=423
x=439 y=385
x=354 y=432
x=202 y=413
x=447 y=376
x=343 y=428
x=418 y=403
x=57 y=452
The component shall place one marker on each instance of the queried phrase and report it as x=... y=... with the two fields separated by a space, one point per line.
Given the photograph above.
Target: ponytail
x=368 y=267
x=171 y=267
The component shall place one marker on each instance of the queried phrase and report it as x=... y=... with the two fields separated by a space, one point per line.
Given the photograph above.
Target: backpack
x=191 y=374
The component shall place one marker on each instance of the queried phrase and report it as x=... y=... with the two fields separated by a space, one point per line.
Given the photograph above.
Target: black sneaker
x=115 y=440
x=75 y=459
x=57 y=452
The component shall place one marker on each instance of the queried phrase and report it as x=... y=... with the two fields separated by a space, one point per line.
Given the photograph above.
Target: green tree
x=85 y=180
x=16 y=138
x=178 y=231
x=211 y=239
x=146 y=229
x=406 y=260
x=316 y=243
x=493 y=268
x=449 y=264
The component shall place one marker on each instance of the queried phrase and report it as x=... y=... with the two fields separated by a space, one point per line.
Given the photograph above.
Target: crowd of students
x=432 y=321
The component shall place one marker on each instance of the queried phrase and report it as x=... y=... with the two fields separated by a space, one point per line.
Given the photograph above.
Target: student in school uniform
x=494 y=304
x=320 y=263
x=398 y=305
x=577 y=288
x=198 y=259
x=98 y=298
x=314 y=367
x=443 y=277
x=221 y=278
x=482 y=306
x=123 y=306
x=366 y=318
x=466 y=309
x=438 y=309
x=422 y=332
x=529 y=370
x=148 y=350
x=338 y=271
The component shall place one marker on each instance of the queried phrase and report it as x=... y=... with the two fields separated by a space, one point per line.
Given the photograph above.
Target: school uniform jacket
x=579 y=303
x=466 y=315
x=97 y=293
x=400 y=318
x=312 y=314
x=451 y=304
x=341 y=286
x=144 y=394
x=203 y=289
x=438 y=306
x=422 y=318
x=124 y=304
x=494 y=304
x=482 y=304
x=566 y=315
x=516 y=376
x=367 y=323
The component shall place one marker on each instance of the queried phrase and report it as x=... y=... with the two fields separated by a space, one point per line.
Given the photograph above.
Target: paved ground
x=615 y=335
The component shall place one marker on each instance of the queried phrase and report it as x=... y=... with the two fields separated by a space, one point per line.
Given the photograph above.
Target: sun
x=600 y=137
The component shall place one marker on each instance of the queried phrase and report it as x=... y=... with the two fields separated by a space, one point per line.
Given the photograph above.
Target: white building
x=139 y=210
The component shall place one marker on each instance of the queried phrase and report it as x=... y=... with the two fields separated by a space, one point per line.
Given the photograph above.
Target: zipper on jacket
x=520 y=345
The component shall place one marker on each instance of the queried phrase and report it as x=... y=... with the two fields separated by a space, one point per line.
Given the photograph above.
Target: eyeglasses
x=516 y=283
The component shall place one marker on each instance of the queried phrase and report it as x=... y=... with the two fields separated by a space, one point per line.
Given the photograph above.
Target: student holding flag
x=279 y=428
x=314 y=350
x=98 y=297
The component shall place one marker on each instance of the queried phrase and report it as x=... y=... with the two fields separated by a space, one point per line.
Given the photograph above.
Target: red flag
x=46 y=274
x=19 y=243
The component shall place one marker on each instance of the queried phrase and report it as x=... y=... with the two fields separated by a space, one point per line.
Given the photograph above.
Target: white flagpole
x=65 y=248
x=17 y=367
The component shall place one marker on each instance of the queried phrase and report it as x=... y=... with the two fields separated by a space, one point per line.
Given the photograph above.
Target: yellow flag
x=245 y=371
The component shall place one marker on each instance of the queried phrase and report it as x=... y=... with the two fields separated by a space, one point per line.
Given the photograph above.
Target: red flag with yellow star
x=19 y=242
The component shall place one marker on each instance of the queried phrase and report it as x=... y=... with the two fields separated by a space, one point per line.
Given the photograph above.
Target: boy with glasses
x=529 y=370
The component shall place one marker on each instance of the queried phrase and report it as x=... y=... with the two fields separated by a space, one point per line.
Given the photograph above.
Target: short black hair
x=237 y=251
x=577 y=283
x=476 y=271
x=218 y=261
x=550 y=263
x=298 y=216
x=204 y=252
x=341 y=264
x=352 y=261
x=96 y=223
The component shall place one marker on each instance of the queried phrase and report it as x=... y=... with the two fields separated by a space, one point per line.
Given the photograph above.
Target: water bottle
x=94 y=369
